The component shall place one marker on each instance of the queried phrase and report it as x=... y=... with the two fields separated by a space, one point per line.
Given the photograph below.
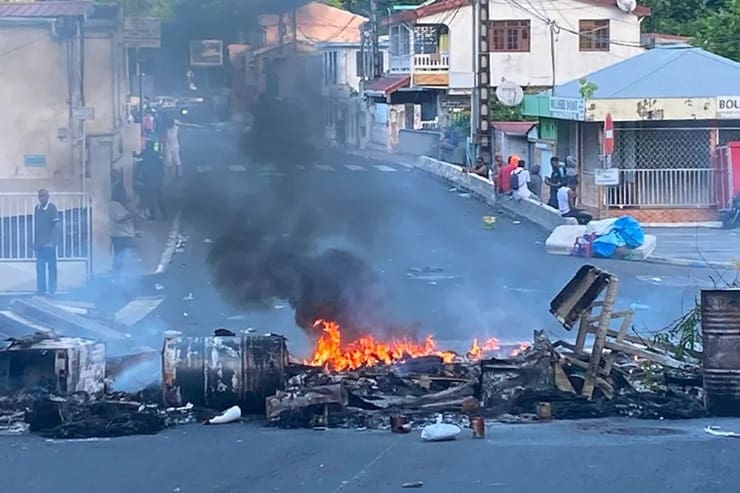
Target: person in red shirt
x=505 y=174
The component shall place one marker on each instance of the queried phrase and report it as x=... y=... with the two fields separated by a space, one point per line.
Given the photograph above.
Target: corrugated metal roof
x=514 y=128
x=45 y=9
x=387 y=84
x=677 y=71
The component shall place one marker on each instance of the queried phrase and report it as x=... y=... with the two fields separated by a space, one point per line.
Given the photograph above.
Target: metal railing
x=431 y=62
x=17 y=226
x=686 y=187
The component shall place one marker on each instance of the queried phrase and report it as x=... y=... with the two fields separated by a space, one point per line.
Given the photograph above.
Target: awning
x=520 y=129
x=383 y=86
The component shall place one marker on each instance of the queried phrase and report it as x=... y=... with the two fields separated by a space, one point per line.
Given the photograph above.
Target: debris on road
x=718 y=432
x=413 y=484
x=440 y=431
x=231 y=415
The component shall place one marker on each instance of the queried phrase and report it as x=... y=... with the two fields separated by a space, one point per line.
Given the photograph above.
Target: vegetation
x=712 y=24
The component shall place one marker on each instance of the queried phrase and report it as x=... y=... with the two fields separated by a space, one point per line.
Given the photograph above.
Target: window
x=509 y=36
x=400 y=37
x=594 y=35
x=359 y=64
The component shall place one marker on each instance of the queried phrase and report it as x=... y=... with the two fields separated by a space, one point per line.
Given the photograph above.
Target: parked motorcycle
x=731 y=217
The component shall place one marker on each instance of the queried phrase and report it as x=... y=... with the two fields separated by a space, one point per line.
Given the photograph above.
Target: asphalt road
x=442 y=271
x=578 y=457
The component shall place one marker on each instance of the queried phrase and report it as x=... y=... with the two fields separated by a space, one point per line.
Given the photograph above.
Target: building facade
x=63 y=129
x=533 y=44
x=668 y=127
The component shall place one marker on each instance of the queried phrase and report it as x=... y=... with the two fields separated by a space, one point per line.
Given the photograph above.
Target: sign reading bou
x=728 y=107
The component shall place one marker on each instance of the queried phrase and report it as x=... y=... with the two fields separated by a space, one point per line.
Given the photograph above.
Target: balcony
x=421 y=52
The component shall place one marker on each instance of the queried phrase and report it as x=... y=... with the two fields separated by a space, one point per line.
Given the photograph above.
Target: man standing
x=172 y=148
x=504 y=176
x=45 y=237
x=520 y=179
x=555 y=181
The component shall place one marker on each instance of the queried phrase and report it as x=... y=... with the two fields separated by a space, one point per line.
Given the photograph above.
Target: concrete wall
x=34 y=85
x=418 y=142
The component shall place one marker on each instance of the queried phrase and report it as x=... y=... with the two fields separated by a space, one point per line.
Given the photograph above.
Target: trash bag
x=630 y=231
x=440 y=432
x=605 y=246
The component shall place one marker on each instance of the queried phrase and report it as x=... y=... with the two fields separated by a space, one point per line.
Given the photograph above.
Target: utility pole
x=375 y=60
x=483 y=83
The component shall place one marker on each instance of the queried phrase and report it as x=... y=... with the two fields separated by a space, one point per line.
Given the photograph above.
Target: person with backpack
x=519 y=181
x=504 y=176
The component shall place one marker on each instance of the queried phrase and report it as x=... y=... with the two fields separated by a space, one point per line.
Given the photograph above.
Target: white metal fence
x=17 y=226
x=432 y=62
x=687 y=187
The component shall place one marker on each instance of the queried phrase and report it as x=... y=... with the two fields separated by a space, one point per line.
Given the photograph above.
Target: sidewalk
x=697 y=247
x=382 y=156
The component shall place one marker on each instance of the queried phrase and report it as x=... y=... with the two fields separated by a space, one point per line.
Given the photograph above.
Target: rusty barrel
x=223 y=371
x=720 y=327
x=478 y=425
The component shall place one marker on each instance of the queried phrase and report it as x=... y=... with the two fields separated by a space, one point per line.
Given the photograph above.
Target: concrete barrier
x=418 y=142
x=532 y=210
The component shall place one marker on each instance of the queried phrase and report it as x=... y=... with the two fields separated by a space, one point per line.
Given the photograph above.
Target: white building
x=536 y=44
x=342 y=74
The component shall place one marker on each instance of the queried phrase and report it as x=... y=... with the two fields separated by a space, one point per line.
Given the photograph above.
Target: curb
x=378 y=160
x=681 y=262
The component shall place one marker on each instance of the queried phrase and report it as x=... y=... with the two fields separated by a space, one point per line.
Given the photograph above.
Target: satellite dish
x=627 y=6
x=509 y=93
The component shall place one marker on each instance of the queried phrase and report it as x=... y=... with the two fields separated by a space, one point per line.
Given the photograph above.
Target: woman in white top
x=522 y=191
x=567 y=202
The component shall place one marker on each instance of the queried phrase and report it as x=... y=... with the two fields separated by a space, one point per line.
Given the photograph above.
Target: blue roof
x=673 y=71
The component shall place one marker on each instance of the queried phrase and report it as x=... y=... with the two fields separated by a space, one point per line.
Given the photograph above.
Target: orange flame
x=332 y=354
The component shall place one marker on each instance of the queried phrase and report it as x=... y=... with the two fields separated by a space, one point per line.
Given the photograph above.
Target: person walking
x=152 y=174
x=172 y=148
x=45 y=238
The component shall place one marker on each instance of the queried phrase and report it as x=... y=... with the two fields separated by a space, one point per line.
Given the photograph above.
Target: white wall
x=533 y=68
x=34 y=105
x=460 y=24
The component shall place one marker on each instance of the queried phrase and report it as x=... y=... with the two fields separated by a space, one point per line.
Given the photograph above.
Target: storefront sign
x=728 y=107
x=207 y=53
x=606 y=176
x=567 y=108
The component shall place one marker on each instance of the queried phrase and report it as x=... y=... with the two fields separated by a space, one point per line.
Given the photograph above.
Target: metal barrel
x=223 y=371
x=720 y=326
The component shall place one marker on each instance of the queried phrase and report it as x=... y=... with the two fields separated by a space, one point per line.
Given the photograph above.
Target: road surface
x=608 y=456
x=442 y=271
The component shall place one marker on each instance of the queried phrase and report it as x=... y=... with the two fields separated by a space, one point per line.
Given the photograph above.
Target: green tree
x=719 y=32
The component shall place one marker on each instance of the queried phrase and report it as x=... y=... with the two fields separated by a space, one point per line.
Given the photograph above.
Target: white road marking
x=238 y=168
x=137 y=309
x=300 y=166
x=269 y=167
x=354 y=167
x=383 y=167
x=204 y=169
x=169 y=248
x=324 y=167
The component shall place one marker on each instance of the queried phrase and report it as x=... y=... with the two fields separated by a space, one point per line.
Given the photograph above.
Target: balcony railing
x=404 y=64
x=431 y=62
x=687 y=187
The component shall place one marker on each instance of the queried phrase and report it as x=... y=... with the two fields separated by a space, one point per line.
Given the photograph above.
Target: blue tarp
x=625 y=232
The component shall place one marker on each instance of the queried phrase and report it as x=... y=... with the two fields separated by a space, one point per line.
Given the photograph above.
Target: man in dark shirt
x=555 y=181
x=45 y=237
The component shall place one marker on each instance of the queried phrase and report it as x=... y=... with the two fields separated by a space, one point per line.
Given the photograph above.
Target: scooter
x=731 y=217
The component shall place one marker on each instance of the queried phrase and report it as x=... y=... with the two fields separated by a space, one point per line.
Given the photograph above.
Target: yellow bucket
x=489 y=222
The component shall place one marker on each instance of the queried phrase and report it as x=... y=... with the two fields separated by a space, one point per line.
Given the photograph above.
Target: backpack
x=514 y=180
